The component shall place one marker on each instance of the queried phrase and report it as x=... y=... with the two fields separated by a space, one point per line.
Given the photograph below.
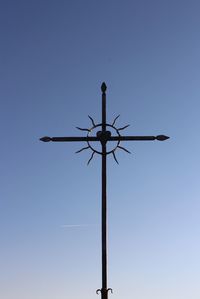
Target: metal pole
x=104 y=227
x=104 y=293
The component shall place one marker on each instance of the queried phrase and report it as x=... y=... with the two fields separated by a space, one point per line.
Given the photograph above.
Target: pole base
x=104 y=292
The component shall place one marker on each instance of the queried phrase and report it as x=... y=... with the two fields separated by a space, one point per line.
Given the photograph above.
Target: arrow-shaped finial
x=103 y=87
x=45 y=139
x=162 y=137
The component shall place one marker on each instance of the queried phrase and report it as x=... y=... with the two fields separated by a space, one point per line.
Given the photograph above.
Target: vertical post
x=104 y=293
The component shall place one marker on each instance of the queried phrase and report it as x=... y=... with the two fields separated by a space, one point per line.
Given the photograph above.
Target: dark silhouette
x=103 y=137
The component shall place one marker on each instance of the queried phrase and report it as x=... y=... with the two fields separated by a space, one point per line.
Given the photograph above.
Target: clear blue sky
x=54 y=57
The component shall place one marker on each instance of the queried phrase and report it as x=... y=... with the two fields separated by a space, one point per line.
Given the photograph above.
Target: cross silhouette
x=103 y=136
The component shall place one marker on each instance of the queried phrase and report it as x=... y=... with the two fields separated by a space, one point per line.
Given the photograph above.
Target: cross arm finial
x=103 y=87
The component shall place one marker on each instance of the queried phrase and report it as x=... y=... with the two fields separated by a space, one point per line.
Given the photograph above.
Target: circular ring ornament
x=96 y=151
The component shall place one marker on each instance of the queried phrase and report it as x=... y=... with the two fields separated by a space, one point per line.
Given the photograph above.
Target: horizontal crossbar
x=111 y=138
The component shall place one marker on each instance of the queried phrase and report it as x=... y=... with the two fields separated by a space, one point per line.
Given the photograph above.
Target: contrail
x=74 y=225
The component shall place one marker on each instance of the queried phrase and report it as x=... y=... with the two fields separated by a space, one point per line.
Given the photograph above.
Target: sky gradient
x=54 y=57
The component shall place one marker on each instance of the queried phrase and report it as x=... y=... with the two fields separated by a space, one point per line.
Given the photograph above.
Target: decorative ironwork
x=104 y=136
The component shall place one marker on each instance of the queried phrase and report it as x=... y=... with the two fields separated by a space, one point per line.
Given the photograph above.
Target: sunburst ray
x=92 y=120
x=114 y=156
x=115 y=119
x=82 y=149
x=124 y=149
x=83 y=129
x=90 y=158
x=120 y=129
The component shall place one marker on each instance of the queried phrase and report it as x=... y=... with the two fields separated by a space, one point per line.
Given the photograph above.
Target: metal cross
x=103 y=136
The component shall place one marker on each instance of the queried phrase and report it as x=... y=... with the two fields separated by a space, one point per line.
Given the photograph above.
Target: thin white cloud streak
x=75 y=225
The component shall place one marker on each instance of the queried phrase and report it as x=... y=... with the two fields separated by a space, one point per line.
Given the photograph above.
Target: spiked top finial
x=103 y=87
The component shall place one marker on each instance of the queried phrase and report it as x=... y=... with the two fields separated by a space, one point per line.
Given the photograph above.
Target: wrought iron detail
x=102 y=291
x=103 y=136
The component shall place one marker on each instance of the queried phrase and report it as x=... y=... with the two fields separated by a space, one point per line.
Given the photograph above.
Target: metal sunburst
x=107 y=135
